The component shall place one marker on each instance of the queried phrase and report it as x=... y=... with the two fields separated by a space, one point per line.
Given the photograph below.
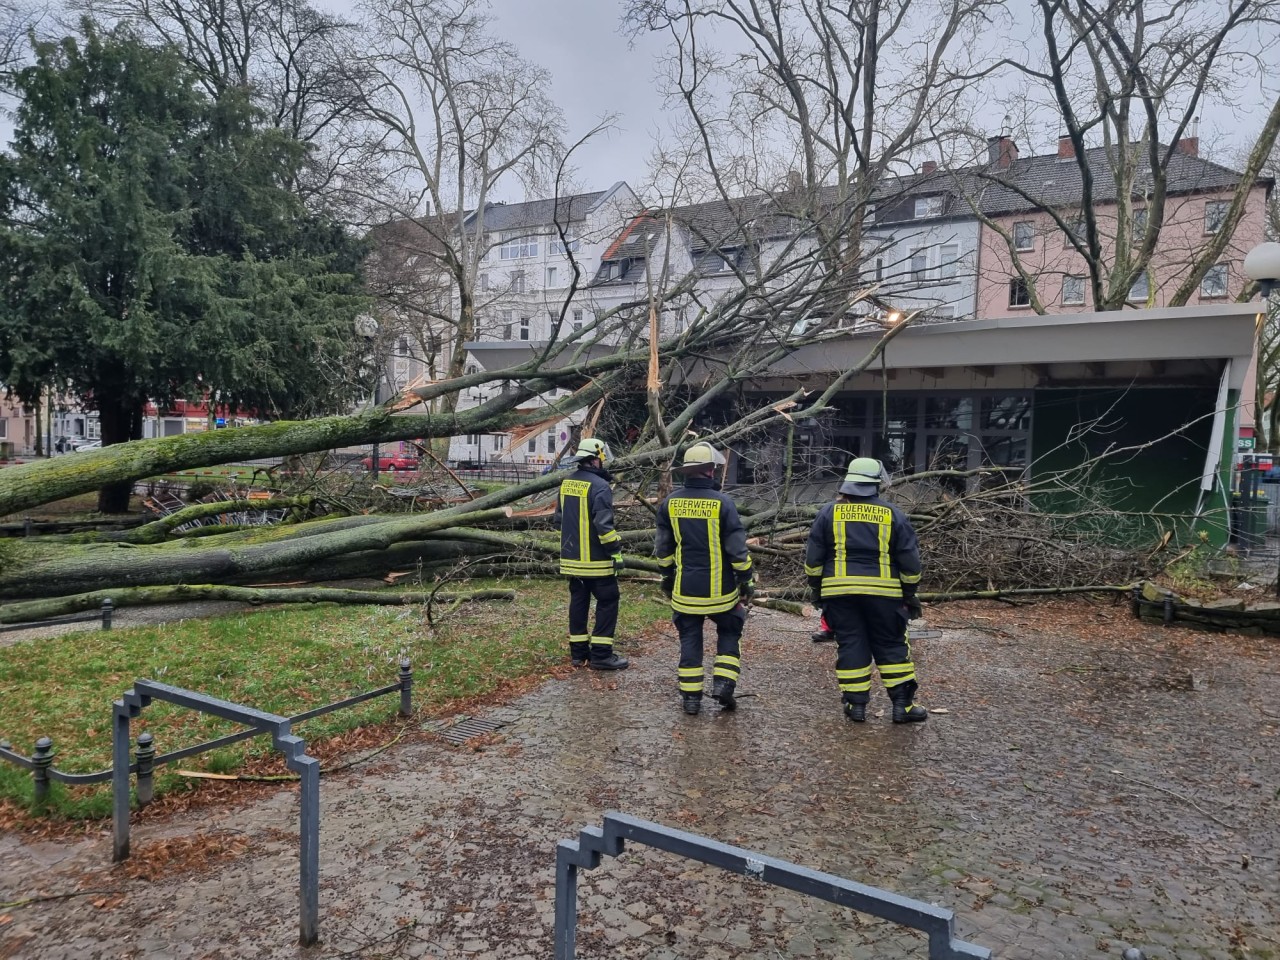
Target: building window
x=516 y=246
x=551 y=277
x=532 y=445
x=1215 y=215
x=928 y=207
x=499 y=441
x=517 y=281
x=1024 y=235
x=569 y=245
x=1141 y=289
x=879 y=269
x=1019 y=295
x=506 y=324
x=1214 y=283
x=473 y=438
x=524 y=328
x=870 y=215
x=949 y=261
x=577 y=320
x=708 y=262
x=1075 y=230
x=551 y=441
x=1138 y=229
x=1073 y=290
x=920 y=264
x=482 y=283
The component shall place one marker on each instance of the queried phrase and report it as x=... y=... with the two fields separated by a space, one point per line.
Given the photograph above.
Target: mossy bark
x=30 y=569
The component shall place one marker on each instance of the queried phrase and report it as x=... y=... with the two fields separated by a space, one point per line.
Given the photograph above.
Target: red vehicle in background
x=392 y=462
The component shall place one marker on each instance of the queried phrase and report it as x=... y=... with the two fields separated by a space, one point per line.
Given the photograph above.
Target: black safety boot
x=692 y=703
x=904 y=710
x=722 y=689
x=823 y=636
x=857 y=712
x=579 y=654
x=603 y=658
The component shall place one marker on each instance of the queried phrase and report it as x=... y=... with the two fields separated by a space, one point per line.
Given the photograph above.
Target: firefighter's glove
x=815 y=591
x=668 y=584
x=618 y=564
x=914 y=610
x=747 y=589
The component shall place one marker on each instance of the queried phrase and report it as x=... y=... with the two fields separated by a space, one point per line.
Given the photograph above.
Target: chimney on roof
x=928 y=167
x=1188 y=145
x=1066 y=148
x=1001 y=151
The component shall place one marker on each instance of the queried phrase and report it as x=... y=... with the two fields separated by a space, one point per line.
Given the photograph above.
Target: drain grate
x=463 y=729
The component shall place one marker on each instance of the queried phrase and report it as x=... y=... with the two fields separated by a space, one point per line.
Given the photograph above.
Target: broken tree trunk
x=33 y=570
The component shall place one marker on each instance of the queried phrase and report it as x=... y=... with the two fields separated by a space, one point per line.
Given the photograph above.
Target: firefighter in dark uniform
x=863 y=565
x=591 y=557
x=701 y=546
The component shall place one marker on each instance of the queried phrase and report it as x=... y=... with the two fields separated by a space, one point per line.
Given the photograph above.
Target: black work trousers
x=728 y=662
x=581 y=590
x=868 y=628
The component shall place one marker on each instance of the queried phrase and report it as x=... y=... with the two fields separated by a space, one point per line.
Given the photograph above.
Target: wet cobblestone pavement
x=1087 y=790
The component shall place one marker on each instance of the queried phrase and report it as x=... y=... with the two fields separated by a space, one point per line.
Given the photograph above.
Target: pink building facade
x=1059 y=279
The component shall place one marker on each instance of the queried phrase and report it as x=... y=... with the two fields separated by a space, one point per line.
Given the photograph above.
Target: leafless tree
x=1124 y=83
x=819 y=104
x=452 y=116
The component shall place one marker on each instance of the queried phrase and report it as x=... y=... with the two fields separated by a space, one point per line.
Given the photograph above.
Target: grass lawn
x=285 y=661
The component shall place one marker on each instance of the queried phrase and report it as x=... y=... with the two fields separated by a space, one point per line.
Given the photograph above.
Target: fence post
x=42 y=760
x=1135 y=601
x=406 y=688
x=145 y=755
x=120 y=783
x=1168 y=609
x=107 y=608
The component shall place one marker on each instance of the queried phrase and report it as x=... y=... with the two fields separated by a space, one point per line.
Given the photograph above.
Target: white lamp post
x=367 y=327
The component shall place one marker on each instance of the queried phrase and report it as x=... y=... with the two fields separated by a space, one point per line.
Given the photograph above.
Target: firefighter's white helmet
x=594 y=447
x=864 y=478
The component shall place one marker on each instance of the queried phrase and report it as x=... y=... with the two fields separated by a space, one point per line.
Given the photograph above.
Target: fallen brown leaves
x=181 y=855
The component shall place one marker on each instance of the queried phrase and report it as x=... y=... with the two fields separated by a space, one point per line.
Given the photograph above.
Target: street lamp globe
x=367 y=326
x=1262 y=264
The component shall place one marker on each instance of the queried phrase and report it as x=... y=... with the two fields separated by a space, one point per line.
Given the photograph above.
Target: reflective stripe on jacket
x=865 y=546
x=700 y=532
x=587 y=538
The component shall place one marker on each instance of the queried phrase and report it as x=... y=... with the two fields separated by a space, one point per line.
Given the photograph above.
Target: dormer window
x=710 y=262
x=928 y=207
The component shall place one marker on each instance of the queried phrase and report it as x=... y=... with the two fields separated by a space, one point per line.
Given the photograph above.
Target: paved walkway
x=1091 y=787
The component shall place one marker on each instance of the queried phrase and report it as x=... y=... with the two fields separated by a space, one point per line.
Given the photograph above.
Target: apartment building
x=1199 y=193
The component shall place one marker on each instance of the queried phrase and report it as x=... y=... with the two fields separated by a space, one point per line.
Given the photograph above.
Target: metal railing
x=145 y=760
x=594 y=843
x=103 y=616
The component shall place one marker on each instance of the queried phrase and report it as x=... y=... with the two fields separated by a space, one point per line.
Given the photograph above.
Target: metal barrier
x=40 y=763
x=594 y=843
x=293 y=747
x=103 y=615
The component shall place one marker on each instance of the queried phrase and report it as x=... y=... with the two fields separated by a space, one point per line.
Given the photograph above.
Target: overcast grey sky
x=595 y=72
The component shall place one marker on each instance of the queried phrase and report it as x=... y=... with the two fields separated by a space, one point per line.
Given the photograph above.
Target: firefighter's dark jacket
x=864 y=547
x=585 y=514
x=701 y=534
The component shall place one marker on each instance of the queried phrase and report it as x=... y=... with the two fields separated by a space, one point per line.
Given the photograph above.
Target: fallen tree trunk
x=186 y=593
x=60 y=569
